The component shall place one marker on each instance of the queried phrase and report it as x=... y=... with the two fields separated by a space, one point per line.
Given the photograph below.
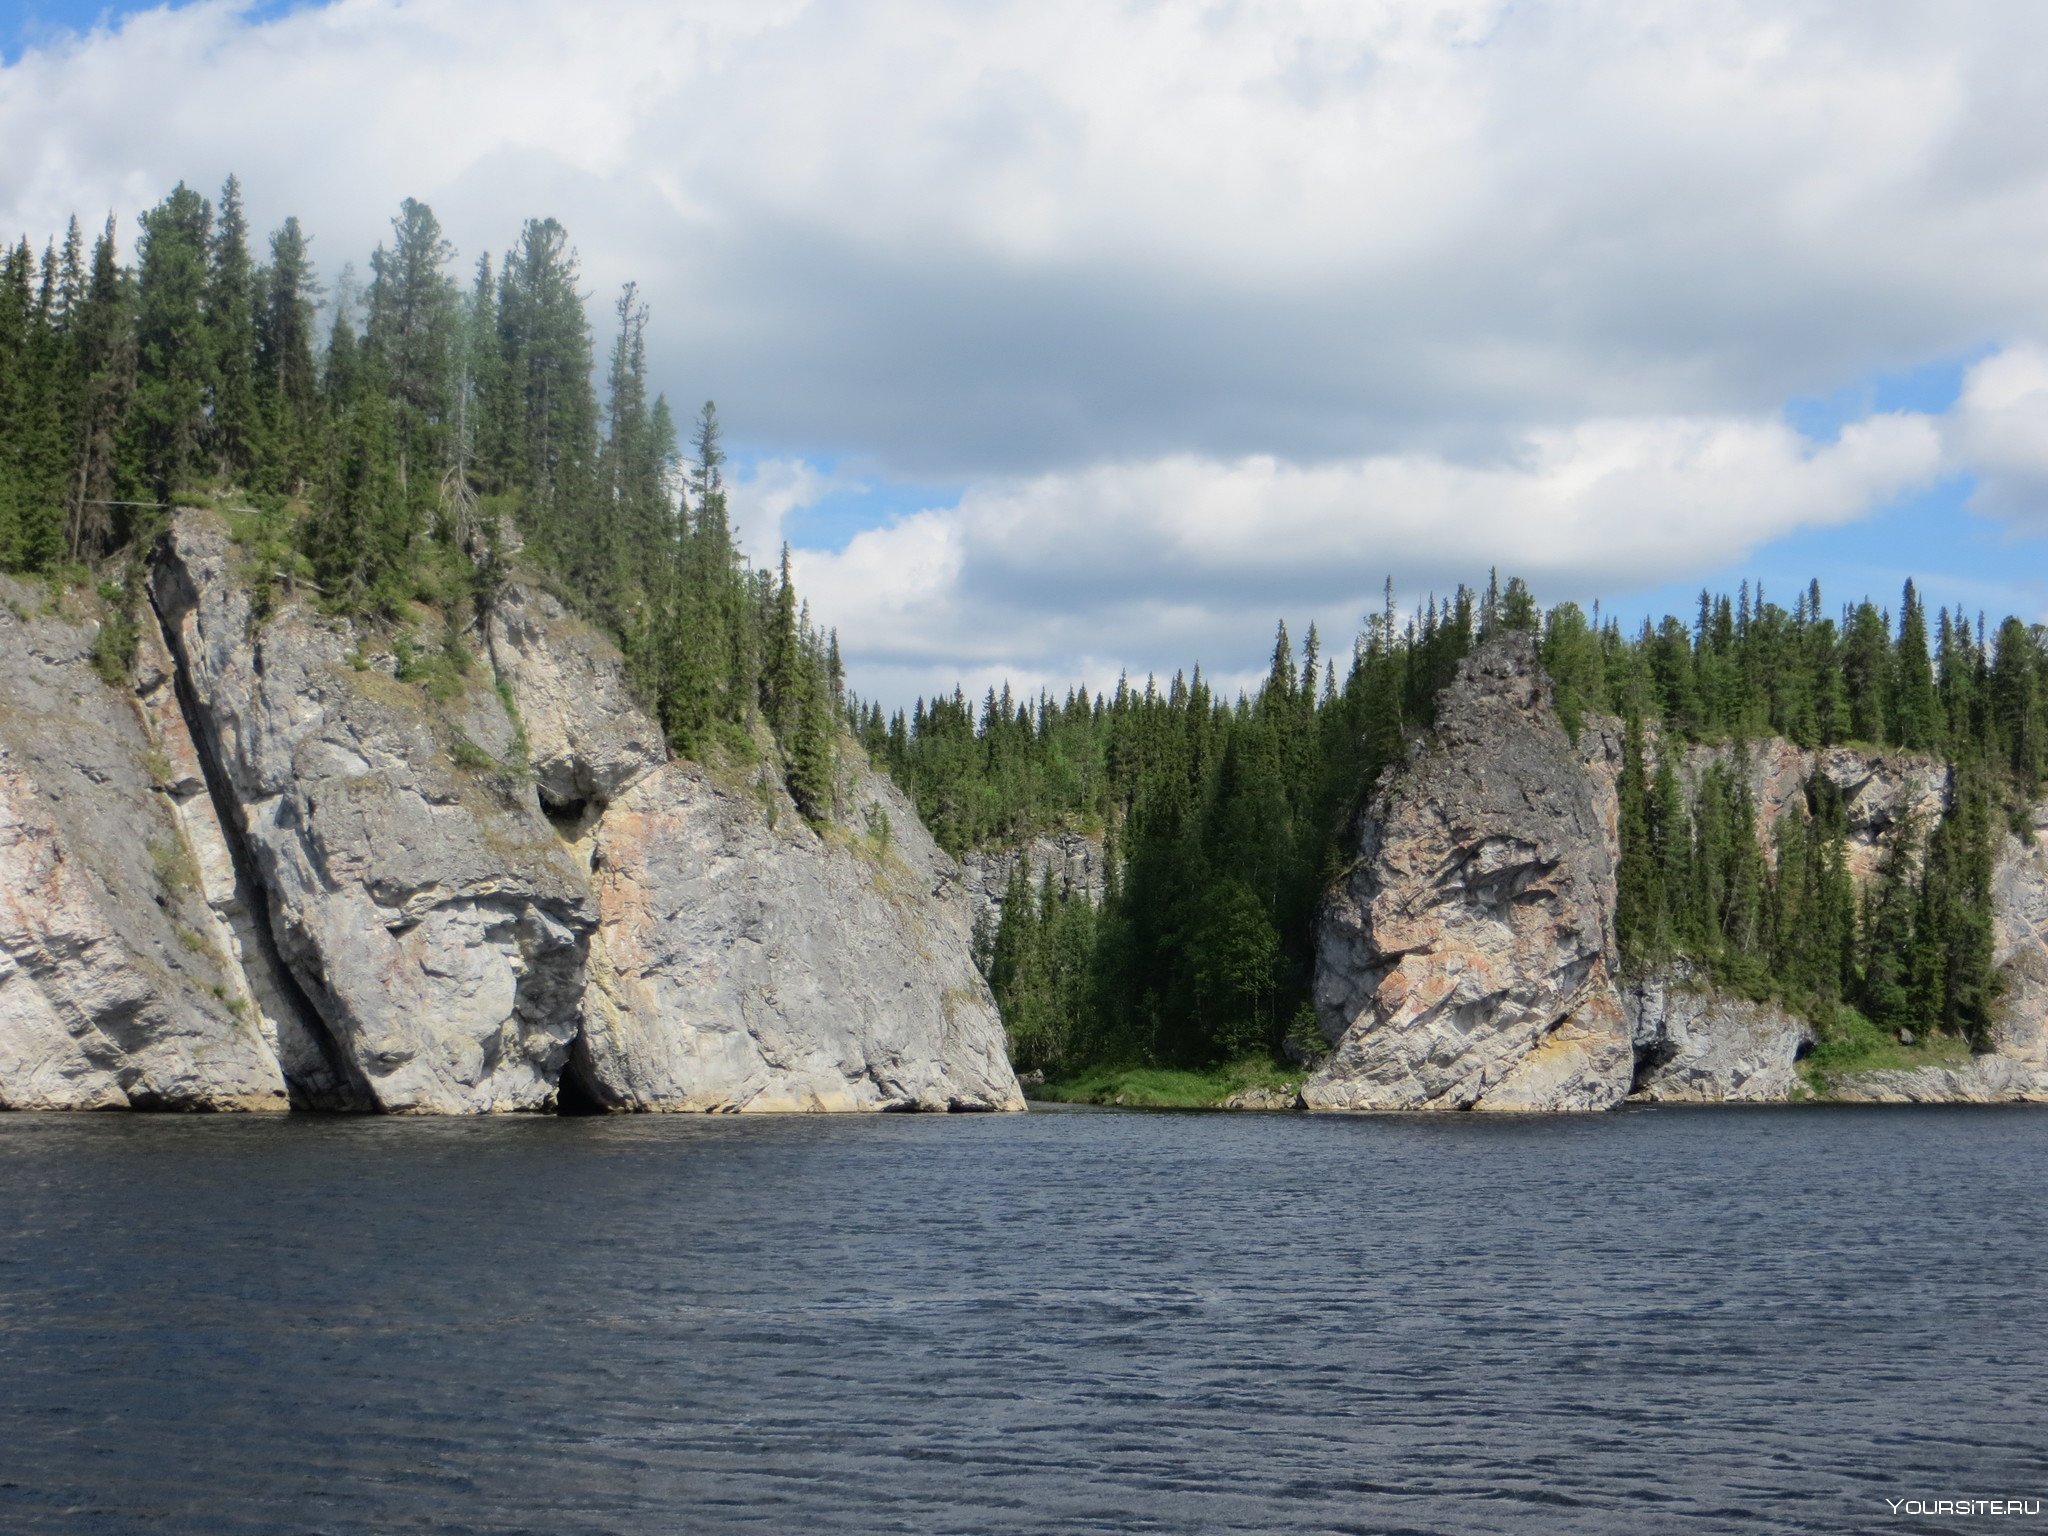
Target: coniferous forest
x=390 y=444
x=1226 y=819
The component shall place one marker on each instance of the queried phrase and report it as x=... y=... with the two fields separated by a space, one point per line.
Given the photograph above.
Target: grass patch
x=1168 y=1087
x=173 y=865
x=1851 y=1043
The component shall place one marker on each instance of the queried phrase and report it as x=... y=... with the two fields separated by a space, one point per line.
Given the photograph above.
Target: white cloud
x=759 y=500
x=1218 y=311
x=1032 y=234
x=1999 y=431
x=1066 y=576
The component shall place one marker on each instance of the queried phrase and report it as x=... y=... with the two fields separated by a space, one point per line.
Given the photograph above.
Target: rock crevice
x=280 y=872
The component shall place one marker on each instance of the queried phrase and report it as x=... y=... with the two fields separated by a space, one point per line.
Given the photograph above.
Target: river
x=1655 y=1320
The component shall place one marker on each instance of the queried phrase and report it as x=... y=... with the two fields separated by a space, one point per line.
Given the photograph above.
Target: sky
x=1061 y=339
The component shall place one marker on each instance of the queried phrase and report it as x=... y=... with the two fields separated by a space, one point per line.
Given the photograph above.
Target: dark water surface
x=1649 y=1321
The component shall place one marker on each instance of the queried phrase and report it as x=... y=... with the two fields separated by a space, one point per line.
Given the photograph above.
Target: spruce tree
x=412 y=332
x=286 y=381
x=175 y=359
x=234 y=422
x=1638 y=905
x=104 y=359
x=1915 y=710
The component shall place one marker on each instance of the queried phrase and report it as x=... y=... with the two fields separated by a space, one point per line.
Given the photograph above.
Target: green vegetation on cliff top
x=391 y=452
x=1225 y=819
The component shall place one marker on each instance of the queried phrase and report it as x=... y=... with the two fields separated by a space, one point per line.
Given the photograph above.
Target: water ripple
x=1733 y=1321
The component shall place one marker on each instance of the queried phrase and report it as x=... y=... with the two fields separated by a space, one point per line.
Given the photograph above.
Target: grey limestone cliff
x=2019 y=912
x=119 y=987
x=426 y=909
x=743 y=959
x=1695 y=1045
x=1879 y=789
x=1463 y=961
x=1074 y=860
x=587 y=738
x=748 y=961
x=281 y=868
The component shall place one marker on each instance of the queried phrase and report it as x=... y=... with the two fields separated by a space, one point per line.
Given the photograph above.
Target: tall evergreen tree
x=175 y=359
x=1915 y=710
x=233 y=421
x=412 y=330
x=286 y=383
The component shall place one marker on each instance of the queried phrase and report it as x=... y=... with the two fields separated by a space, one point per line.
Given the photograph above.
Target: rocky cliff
x=1694 y=1045
x=846 y=978
x=427 y=910
x=1878 y=789
x=285 y=864
x=743 y=959
x=2019 y=910
x=1464 y=959
x=1073 y=859
x=117 y=987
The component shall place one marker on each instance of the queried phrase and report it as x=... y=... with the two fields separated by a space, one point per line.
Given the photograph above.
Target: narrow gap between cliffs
x=227 y=812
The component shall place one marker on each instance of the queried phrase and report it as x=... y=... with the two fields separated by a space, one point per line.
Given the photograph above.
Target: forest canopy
x=404 y=438
x=1224 y=820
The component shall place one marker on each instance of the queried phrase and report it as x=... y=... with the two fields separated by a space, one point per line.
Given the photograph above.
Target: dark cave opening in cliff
x=573 y=1094
x=1649 y=1060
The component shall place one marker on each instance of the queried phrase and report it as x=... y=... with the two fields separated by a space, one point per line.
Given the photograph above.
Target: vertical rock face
x=748 y=962
x=257 y=979
x=743 y=960
x=1074 y=860
x=275 y=872
x=585 y=736
x=117 y=987
x=1879 y=790
x=1463 y=961
x=1696 y=1046
x=427 y=910
x=2019 y=914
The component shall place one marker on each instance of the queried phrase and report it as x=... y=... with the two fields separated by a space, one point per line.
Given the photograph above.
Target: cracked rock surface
x=117 y=989
x=1463 y=961
x=746 y=961
x=427 y=910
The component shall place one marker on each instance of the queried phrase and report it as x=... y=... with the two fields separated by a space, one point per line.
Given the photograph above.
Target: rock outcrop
x=1074 y=860
x=744 y=960
x=1463 y=962
x=1694 y=1045
x=118 y=986
x=423 y=903
x=586 y=736
x=1879 y=790
x=1985 y=1079
x=747 y=961
x=297 y=863
x=2019 y=915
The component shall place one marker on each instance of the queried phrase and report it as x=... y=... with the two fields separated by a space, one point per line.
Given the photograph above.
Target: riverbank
x=1255 y=1082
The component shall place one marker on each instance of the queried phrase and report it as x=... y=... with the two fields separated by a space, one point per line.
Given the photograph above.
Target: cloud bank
x=1214 y=310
